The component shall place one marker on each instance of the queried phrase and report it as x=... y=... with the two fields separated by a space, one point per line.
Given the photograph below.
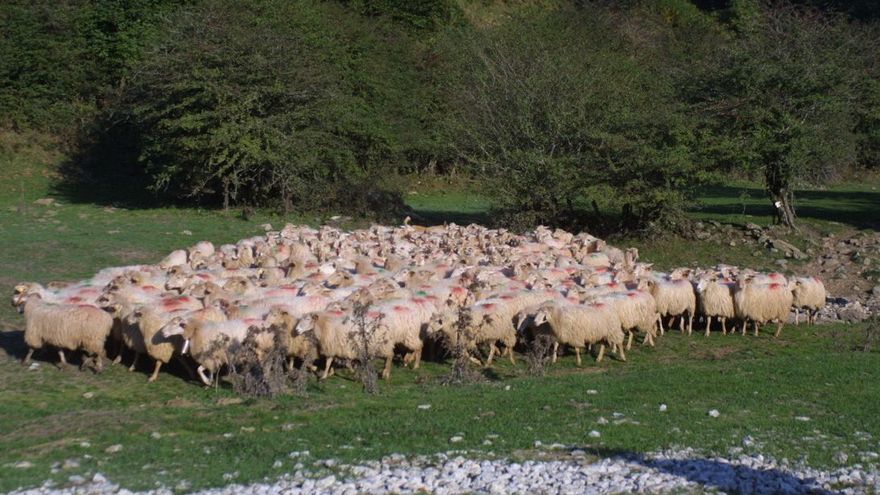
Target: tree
x=782 y=101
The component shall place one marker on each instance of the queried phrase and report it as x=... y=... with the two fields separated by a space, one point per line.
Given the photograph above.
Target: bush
x=548 y=106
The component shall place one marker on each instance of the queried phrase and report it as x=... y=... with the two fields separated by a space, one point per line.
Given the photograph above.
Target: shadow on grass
x=12 y=343
x=439 y=217
x=727 y=477
x=856 y=208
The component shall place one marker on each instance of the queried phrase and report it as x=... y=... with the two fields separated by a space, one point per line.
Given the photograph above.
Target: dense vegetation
x=585 y=113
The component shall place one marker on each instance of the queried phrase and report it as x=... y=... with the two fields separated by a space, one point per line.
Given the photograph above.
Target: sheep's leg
x=492 y=349
x=660 y=324
x=134 y=362
x=327 y=363
x=27 y=359
x=386 y=372
x=577 y=353
x=723 y=325
x=629 y=341
x=61 y=356
x=779 y=325
x=555 y=352
x=155 y=374
x=620 y=354
x=708 y=323
x=745 y=323
x=120 y=346
x=204 y=378
x=690 y=322
x=601 y=353
x=474 y=360
x=797 y=314
x=756 y=328
x=418 y=358
x=510 y=353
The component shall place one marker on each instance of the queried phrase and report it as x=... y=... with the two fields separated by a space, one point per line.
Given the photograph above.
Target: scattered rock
x=186 y=232
x=714 y=413
x=662 y=407
x=23 y=465
x=841 y=458
x=88 y=395
x=852 y=313
x=113 y=449
x=424 y=407
x=266 y=226
x=456 y=439
x=595 y=434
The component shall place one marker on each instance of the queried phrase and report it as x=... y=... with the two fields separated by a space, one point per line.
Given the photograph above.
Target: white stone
x=714 y=413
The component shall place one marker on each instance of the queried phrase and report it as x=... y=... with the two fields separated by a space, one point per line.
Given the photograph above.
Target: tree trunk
x=226 y=195
x=783 y=203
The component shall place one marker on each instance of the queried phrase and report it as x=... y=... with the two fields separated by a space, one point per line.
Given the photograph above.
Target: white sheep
x=674 y=297
x=762 y=303
x=335 y=333
x=581 y=325
x=808 y=293
x=65 y=326
x=715 y=299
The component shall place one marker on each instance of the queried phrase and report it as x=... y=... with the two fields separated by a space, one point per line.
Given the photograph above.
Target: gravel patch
x=682 y=471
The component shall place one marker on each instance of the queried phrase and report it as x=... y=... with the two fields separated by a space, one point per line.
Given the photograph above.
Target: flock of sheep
x=303 y=284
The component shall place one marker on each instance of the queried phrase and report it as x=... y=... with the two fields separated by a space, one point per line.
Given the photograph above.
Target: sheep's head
x=440 y=322
x=306 y=324
x=281 y=317
x=541 y=316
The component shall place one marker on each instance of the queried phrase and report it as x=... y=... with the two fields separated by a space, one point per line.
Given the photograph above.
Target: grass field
x=175 y=429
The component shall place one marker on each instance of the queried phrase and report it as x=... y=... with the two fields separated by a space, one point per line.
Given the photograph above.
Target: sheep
x=335 y=333
x=301 y=346
x=808 y=293
x=208 y=342
x=144 y=334
x=491 y=321
x=175 y=258
x=636 y=310
x=674 y=297
x=65 y=326
x=579 y=325
x=762 y=303
x=716 y=300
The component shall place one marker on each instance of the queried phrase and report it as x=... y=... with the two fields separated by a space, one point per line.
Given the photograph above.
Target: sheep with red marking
x=579 y=325
x=761 y=303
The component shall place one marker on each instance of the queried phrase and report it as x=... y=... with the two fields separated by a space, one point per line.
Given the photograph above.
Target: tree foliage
x=577 y=113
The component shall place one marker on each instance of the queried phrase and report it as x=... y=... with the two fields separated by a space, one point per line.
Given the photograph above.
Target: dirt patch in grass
x=715 y=354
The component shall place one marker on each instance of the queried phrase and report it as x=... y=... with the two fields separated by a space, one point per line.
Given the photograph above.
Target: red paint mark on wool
x=203 y=276
x=74 y=299
x=775 y=286
x=489 y=305
x=374 y=314
x=401 y=309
